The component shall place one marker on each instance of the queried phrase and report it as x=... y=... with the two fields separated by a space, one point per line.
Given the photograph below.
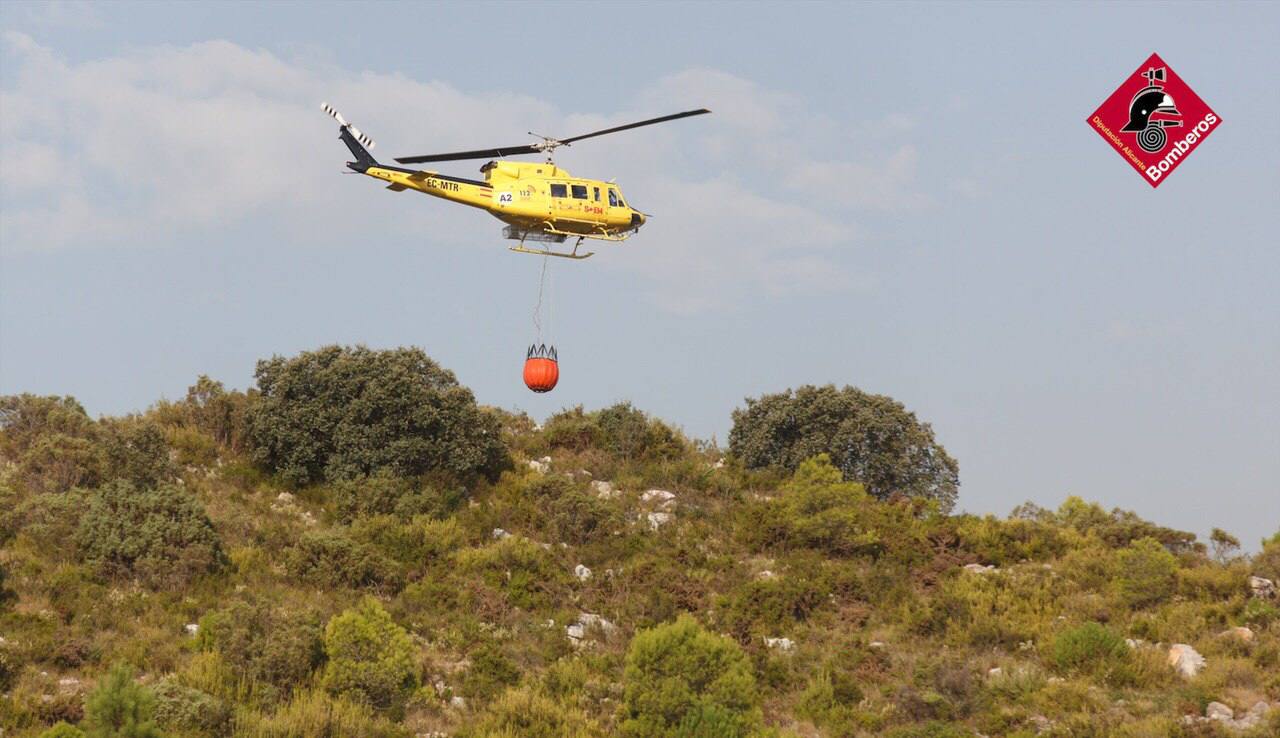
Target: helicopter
x=539 y=202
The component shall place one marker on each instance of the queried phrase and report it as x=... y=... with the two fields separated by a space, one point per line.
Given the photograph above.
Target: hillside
x=383 y=557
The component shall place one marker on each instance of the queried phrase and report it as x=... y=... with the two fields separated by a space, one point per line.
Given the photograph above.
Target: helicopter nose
x=637 y=219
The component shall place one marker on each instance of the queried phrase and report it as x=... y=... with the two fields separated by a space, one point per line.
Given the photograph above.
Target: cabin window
x=613 y=198
x=596 y=191
x=580 y=192
x=559 y=190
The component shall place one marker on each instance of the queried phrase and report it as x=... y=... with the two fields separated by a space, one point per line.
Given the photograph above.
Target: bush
x=622 y=431
x=52 y=440
x=383 y=494
x=872 y=439
x=190 y=711
x=341 y=413
x=371 y=659
x=679 y=677
x=264 y=645
x=136 y=451
x=314 y=713
x=1146 y=573
x=332 y=559
x=63 y=730
x=490 y=672
x=161 y=536
x=221 y=414
x=527 y=574
x=1092 y=649
x=119 y=708
x=525 y=714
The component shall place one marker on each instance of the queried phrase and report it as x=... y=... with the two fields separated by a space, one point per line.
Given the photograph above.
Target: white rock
x=1186 y=660
x=581 y=572
x=660 y=497
x=781 y=644
x=604 y=490
x=1241 y=632
x=68 y=683
x=1260 y=587
x=1135 y=643
x=658 y=519
x=591 y=620
x=876 y=645
x=499 y=534
x=191 y=628
x=458 y=703
x=284 y=497
x=575 y=631
x=978 y=568
x=719 y=464
x=539 y=466
x=994 y=671
x=1219 y=711
x=766 y=574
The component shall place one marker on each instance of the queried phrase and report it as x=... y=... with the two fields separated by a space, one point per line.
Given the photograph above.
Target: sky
x=901 y=197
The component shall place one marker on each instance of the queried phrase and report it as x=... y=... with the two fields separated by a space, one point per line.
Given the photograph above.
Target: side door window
x=559 y=190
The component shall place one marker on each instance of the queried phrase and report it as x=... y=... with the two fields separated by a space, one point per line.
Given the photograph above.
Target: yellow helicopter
x=539 y=202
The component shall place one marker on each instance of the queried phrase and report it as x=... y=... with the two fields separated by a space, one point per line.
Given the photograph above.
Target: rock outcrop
x=1185 y=660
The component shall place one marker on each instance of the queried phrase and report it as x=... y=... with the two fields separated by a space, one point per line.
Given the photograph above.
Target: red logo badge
x=1154 y=120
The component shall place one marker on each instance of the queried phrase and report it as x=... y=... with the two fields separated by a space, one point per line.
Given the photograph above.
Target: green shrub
x=770 y=606
x=314 y=713
x=679 y=676
x=490 y=672
x=572 y=430
x=189 y=711
x=160 y=536
x=52 y=440
x=63 y=730
x=222 y=415
x=341 y=413
x=1146 y=573
x=872 y=439
x=578 y=517
x=1092 y=649
x=136 y=452
x=332 y=559
x=520 y=713
x=384 y=494
x=120 y=708
x=264 y=645
x=371 y=659
x=521 y=569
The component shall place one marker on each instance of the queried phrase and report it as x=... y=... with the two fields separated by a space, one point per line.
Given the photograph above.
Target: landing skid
x=547 y=252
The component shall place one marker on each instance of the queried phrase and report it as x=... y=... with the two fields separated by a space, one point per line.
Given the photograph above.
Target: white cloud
x=166 y=141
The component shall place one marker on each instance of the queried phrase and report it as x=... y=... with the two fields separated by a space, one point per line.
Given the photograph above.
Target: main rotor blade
x=539 y=148
x=477 y=154
x=651 y=121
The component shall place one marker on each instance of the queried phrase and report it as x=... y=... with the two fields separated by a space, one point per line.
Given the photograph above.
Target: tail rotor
x=359 y=135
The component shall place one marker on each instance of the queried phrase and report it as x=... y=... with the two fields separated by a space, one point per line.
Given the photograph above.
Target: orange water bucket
x=541 y=370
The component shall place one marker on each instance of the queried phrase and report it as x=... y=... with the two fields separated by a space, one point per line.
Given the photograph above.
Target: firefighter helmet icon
x=1150 y=101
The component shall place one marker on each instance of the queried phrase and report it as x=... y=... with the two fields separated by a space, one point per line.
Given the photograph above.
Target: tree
x=119 y=708
x=371 y=658
x=872 y=439
x=52 y=440
x=1145 y=573
x=341 y=412
x=1225 y=545
x=161 y=536
x=681 y=679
